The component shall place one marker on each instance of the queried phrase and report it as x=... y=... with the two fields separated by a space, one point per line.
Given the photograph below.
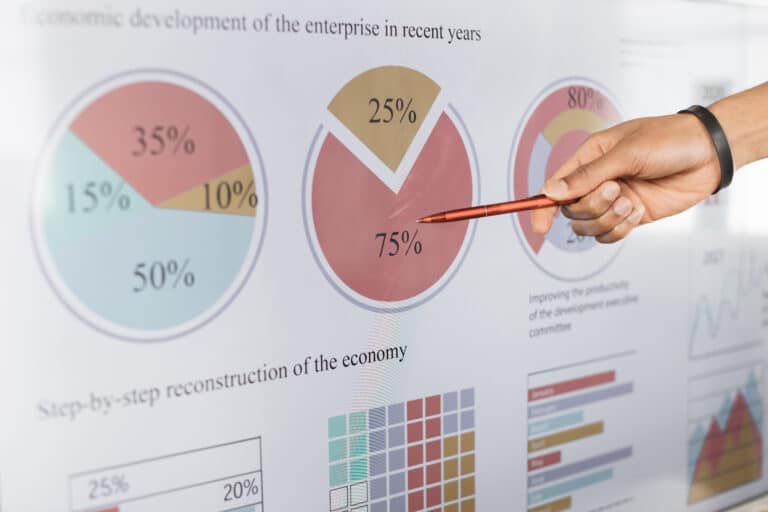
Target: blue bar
x=534 y=411
x=570 y=486
x=566 y=420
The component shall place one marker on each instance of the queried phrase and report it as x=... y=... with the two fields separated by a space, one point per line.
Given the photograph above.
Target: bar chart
x=221 y=478
x=575 y=438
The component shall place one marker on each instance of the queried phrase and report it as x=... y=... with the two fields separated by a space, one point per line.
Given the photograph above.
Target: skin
x=646 y=169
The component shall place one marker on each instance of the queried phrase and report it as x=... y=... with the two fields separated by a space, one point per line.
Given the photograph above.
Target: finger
x=623 y=229
x=595 y=204
x=542 y=219
x=604 y=224
x=591 y=149
x=589 y=176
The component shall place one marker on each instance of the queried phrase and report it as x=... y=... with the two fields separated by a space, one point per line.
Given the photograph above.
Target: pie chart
x=392 y=149
x=150 y=206
x=560 y=119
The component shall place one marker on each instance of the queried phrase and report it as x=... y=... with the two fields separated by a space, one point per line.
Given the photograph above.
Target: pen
x=474 y=212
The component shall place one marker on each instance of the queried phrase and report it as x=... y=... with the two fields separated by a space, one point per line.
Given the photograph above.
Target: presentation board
x=215 y=295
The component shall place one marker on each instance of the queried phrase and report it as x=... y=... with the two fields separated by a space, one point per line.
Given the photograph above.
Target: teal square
x=337 y=426
x=337 y=450
x=358 y=422
x=358 y=470
x=358 y=446
x=338 y=474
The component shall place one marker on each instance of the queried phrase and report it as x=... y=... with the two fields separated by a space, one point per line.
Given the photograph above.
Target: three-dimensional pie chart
x=150 y=206
x=391 y=150
x=556 y=124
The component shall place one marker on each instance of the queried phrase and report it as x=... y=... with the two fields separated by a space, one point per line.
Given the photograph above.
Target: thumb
x=587 y=177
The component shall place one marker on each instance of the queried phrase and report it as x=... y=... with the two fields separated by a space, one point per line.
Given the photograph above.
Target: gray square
x=376 y=418
x=396 y=414
x=450 y=401
x=397 y=459
x=397 y=483
x=450 y=424
x=378 y=464
x=377 y=440
x=380 y=506
x=397 y=504
x=379 y=488
x=467 y=398
x=467 y=419
x=397 y=436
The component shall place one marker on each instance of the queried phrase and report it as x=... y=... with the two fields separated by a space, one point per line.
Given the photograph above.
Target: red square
x=416 y=501
x=433 y=474
x=415 y=431
x=415 y=478
x=415 y=409
x=433 y=496
x=433 y=428
x=432 y=405
x=433 y=450
x=415 y=454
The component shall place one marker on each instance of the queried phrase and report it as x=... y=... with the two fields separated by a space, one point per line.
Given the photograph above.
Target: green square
x=358 y=446
x=337 y=426
x=338 y=474
x=337 y=450
x=358 y=422
x=358 y=470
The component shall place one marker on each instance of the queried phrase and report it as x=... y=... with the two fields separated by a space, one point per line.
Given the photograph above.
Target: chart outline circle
x=61 y=124
x=530 y=109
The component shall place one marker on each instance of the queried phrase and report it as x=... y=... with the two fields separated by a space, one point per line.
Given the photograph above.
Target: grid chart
x=404 y=457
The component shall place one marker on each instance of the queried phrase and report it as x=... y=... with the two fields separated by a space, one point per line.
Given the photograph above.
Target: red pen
x=474 y=212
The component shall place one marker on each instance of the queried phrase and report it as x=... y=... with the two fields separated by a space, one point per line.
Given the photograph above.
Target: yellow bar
x=566 y=436
x=574 y=119
x=554 y=506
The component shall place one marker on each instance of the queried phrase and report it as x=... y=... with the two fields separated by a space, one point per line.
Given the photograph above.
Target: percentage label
x=158 y=275
x=241 y=488
x=161 y=139
x=93 y=196
x=399 y=243
x=107 y=486
x=225 y=193
x=584 y=97
x=387 y=110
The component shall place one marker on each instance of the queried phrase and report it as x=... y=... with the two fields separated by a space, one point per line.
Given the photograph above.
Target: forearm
x=744 y=118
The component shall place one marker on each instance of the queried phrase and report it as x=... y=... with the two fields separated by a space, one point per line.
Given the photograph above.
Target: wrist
x=745 y=123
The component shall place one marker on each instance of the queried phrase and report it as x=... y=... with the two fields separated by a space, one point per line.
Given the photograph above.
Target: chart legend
x=150 y=206
x=392 y=150
x=556 y=124
x=405 y=457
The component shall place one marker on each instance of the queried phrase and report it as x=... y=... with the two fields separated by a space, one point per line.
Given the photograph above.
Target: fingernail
x=637 y=215
x=622 y=206
x=611 y=191
x=557 y=188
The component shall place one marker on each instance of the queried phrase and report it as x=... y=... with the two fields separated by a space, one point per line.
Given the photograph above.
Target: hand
x=634 y=173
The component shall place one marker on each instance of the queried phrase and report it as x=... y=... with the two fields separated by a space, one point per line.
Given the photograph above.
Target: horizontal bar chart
x=579 y=467
x=566 y=436
x=536 y=411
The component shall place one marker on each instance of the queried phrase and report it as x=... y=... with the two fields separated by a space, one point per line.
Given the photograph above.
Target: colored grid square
x=432 y=405
x=377 y=418
x=396 y=483
x=378 y=440
x=450 y=446
x=358 y=470
x=453 y=507
x=450 y=401
x=415 y=431
x=467 y=419
x=432 y=427
x=358 y=494
x=416 y=478
x=397 y=436
x=450 y=468
x=337 y=450
x=416 y=501
x=467 y=442
x=358 y=446
x=415 y=454
x=378 y=488
x=379 y=506
x=338 y=474
x=397 y=504
x=397 y=459
x=467 y=486
x=415 y=409
x=337 y=426
x=468 y=464
x=338 y=499
x=378 y=464
x=433 y=450
x=450 y=423
x=396 y=414
x=468 y=505
x=434 y=496
x=451 y=491
x=433 y=473
x=358 y=422
x=467 y=398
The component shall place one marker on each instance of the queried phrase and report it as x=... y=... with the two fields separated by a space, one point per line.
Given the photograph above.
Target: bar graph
x=220 y=478
x=576 y=440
